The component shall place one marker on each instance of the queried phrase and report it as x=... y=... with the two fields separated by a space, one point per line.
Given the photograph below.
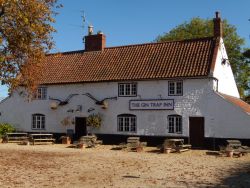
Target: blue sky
x=139 y=21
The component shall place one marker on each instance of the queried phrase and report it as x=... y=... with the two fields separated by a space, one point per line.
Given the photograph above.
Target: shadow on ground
x=239 y=178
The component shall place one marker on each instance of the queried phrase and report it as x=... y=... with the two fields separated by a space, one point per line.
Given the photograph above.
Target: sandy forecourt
x=59 y=166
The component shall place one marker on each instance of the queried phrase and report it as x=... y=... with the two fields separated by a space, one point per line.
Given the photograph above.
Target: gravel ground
x=60 y=166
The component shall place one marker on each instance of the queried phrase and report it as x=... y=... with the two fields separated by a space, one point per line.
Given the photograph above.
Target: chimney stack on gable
x=217 y=25
x=95 y=42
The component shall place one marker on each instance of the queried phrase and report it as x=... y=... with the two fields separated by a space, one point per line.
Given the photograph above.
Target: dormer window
x=175 y=88
x=127 y=89
x=41 y=93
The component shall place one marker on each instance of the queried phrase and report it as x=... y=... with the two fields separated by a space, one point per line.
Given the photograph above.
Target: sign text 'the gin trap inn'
x=157 y=104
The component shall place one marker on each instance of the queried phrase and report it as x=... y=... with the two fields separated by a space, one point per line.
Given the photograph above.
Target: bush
x=6 y=128
x=94 y=120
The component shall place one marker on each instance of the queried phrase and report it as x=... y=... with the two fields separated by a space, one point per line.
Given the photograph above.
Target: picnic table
x=89 y=141
x=41 y=138
x=133 y=143
x=16 y=137
x=235 y=147
x=175 y=145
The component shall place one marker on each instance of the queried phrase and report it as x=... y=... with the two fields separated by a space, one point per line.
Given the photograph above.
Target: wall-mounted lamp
x=79 y=108
x=90 y=110
x=70 y=110
x=224 y=61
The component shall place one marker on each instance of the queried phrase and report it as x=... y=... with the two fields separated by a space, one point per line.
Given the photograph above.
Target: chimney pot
x=90 y=29
x=217 y=14
x=217 y=25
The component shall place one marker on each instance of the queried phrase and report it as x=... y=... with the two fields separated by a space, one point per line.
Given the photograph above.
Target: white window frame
x=175 y=88
x=127 y=89
x=126 y=123
x=38 y=121
x=41 y=93
x=175 y=124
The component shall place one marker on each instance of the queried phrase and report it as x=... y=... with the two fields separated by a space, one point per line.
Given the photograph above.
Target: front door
x=80 y=127
x=196 y=131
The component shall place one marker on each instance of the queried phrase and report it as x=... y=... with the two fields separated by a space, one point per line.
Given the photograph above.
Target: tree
x=25 y=37
x=198 y=28
x=245 y=76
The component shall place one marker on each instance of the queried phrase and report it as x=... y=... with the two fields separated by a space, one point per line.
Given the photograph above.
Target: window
x=41 y=93
x=126 y=123
x=127 y=89
x=38 y=121
x=175 y=124
x=175 y=88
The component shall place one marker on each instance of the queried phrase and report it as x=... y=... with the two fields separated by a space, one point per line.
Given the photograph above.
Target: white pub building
x=182 y=89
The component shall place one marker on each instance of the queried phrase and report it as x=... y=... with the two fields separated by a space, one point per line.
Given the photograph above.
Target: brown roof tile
x=187 y=58
x=238 y=102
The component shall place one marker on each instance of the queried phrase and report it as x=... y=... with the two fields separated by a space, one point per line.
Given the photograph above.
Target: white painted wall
x=225 y=120
x=224 y=74
x=222 y=119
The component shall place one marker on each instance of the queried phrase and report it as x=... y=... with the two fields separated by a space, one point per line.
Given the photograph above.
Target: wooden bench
x=15 y=137
x=41 y=138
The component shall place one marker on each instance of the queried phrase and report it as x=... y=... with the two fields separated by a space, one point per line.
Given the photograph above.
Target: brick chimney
x=95 y=42
x=217 y=25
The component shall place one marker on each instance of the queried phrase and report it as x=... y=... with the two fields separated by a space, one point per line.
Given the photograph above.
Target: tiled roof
x=238 y=102
x=187 y=58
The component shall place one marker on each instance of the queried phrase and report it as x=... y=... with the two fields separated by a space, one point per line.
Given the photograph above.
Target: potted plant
x=229 y=151
x=167 y=150
x=66 y=140
x=139 y=148
x=66 y=122
x=53 y=105
x=94 y=120
x=105 y=105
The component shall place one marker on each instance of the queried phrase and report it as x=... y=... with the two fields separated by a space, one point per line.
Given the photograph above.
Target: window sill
x=127 y=96
x=126 y=132
x=178 y=133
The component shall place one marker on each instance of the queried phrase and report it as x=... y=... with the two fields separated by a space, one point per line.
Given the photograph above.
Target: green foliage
x=6 y=128
x=199 y=28
x=94 y=120
x=243 y=78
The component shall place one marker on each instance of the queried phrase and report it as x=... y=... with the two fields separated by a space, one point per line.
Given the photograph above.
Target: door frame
x=203 y=137
x=86 y=130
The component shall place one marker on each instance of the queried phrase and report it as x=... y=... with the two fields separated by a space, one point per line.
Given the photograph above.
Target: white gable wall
x=226 y=120
x=224 y=74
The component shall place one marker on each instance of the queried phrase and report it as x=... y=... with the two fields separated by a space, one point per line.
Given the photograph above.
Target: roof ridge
x=131 y=45
x=66 y=52
x=155 y=43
